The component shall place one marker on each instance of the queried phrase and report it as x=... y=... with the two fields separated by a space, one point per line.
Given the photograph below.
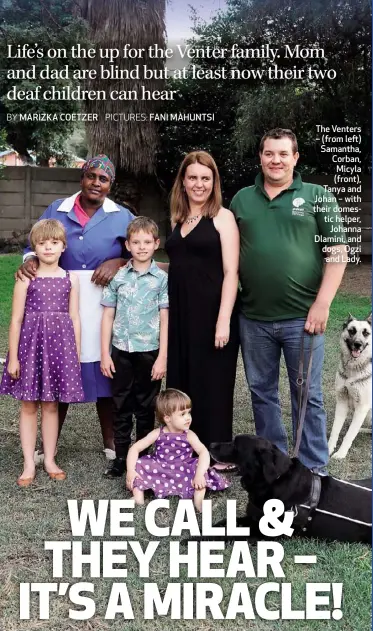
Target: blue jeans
x=261 y=344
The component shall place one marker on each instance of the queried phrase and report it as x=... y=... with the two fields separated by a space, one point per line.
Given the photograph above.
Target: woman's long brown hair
x=179 y=204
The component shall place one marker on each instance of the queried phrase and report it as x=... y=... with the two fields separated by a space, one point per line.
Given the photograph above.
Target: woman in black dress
x=203 y=278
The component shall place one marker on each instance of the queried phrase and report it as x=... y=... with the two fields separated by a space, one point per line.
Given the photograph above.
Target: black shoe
x=117 y=468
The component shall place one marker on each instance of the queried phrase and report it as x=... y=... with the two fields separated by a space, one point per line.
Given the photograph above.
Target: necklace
x=192 y=219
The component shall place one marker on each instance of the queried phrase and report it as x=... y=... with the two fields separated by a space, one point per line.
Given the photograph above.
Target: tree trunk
x=120 y=25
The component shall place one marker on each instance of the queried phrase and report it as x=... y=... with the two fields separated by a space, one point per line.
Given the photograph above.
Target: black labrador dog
x=324 y=507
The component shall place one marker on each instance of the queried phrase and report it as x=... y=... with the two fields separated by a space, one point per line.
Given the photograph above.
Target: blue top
x=100 y=240
x=138 y=297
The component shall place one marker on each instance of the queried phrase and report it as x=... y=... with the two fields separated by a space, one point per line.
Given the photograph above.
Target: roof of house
x=7 y=152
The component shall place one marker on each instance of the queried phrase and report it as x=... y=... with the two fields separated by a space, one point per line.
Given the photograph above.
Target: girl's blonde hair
x=169 y=401
x=179 y=203
x=47 y=229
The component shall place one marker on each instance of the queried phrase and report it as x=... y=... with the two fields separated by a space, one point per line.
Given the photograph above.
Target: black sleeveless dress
x=194 y=365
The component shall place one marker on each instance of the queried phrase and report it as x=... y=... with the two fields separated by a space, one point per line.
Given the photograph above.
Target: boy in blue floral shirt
x=135 y=321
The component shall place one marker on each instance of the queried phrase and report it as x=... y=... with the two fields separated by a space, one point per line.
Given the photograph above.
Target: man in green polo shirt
x=286 y=226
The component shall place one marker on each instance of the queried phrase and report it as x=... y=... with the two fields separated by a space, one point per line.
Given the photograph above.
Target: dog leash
x=303 y=389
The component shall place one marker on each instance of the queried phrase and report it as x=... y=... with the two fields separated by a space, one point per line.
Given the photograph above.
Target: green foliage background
x=244 y=109
x=53 y=24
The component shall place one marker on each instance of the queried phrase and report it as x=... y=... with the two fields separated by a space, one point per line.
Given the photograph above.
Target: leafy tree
x=342 y=30
x=244 y=109
x=3 y=145
x=50 y=24
x=77 y=143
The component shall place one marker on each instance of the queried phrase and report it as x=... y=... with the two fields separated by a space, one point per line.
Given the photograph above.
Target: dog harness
x=303 y=513
x=337 y=515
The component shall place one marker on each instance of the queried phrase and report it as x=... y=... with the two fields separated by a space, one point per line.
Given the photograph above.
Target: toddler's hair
x=142 y=223
x=47 y=229
x=169 y=401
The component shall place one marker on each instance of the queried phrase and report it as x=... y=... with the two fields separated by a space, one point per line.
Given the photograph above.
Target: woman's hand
x=107 y=366
x=28 y=269
x=222 y=332
x=14 y=369
x=105 y=272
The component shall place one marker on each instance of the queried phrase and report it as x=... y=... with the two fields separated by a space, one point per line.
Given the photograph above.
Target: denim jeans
x=261 y=344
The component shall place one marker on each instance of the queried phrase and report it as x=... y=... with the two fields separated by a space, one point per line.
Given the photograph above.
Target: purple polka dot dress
x=171 y=468
x=50 y=369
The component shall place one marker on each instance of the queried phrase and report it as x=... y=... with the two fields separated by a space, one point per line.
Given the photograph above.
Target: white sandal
x=38 y=457
x=109 y=453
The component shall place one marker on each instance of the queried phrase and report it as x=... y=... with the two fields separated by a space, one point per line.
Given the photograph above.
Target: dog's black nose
x=357 y=345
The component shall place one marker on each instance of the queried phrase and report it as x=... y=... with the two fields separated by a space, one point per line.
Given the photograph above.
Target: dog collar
x=303 y=515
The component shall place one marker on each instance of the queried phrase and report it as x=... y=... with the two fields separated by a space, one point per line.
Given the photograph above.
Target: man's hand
x=27 y=269
x=107 y=366
x=159 y=368
x=317 y=318
x=199 y=482
x=106 y=271
x=14 y=369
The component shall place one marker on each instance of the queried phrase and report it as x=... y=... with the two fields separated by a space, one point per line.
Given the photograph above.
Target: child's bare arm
x=74 y=309
x=160 y=364
x=107 y=364
x=18 y=310
x=133 y=454
x=163 y=333
x=139 y=446
x=199 y=481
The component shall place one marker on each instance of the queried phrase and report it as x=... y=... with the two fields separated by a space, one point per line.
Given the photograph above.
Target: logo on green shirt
x=297 y=203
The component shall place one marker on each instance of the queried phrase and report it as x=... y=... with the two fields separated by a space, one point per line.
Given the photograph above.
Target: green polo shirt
x=281 y=241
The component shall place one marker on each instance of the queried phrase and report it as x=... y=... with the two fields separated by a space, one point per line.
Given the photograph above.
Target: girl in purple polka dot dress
x=44 y=338
x=171 y=469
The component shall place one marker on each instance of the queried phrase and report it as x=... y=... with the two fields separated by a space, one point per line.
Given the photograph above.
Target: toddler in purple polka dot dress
x=44 y=339
x=171 y=469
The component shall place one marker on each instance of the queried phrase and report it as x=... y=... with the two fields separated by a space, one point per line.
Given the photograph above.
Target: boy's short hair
x=169 y=401
x=142 y=223
x=47 y=229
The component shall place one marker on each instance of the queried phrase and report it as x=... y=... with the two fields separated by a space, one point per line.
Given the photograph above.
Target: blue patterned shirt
x=137 y=297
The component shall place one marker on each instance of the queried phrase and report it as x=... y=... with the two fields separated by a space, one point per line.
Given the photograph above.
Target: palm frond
x=112 y=24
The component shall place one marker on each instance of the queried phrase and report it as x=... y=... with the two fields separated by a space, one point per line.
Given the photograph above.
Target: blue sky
x=178 y=20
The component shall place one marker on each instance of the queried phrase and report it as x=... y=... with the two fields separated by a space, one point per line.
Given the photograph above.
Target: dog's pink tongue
x=356 y=353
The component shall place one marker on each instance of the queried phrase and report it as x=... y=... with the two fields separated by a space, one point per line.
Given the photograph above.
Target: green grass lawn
x=28 y=517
